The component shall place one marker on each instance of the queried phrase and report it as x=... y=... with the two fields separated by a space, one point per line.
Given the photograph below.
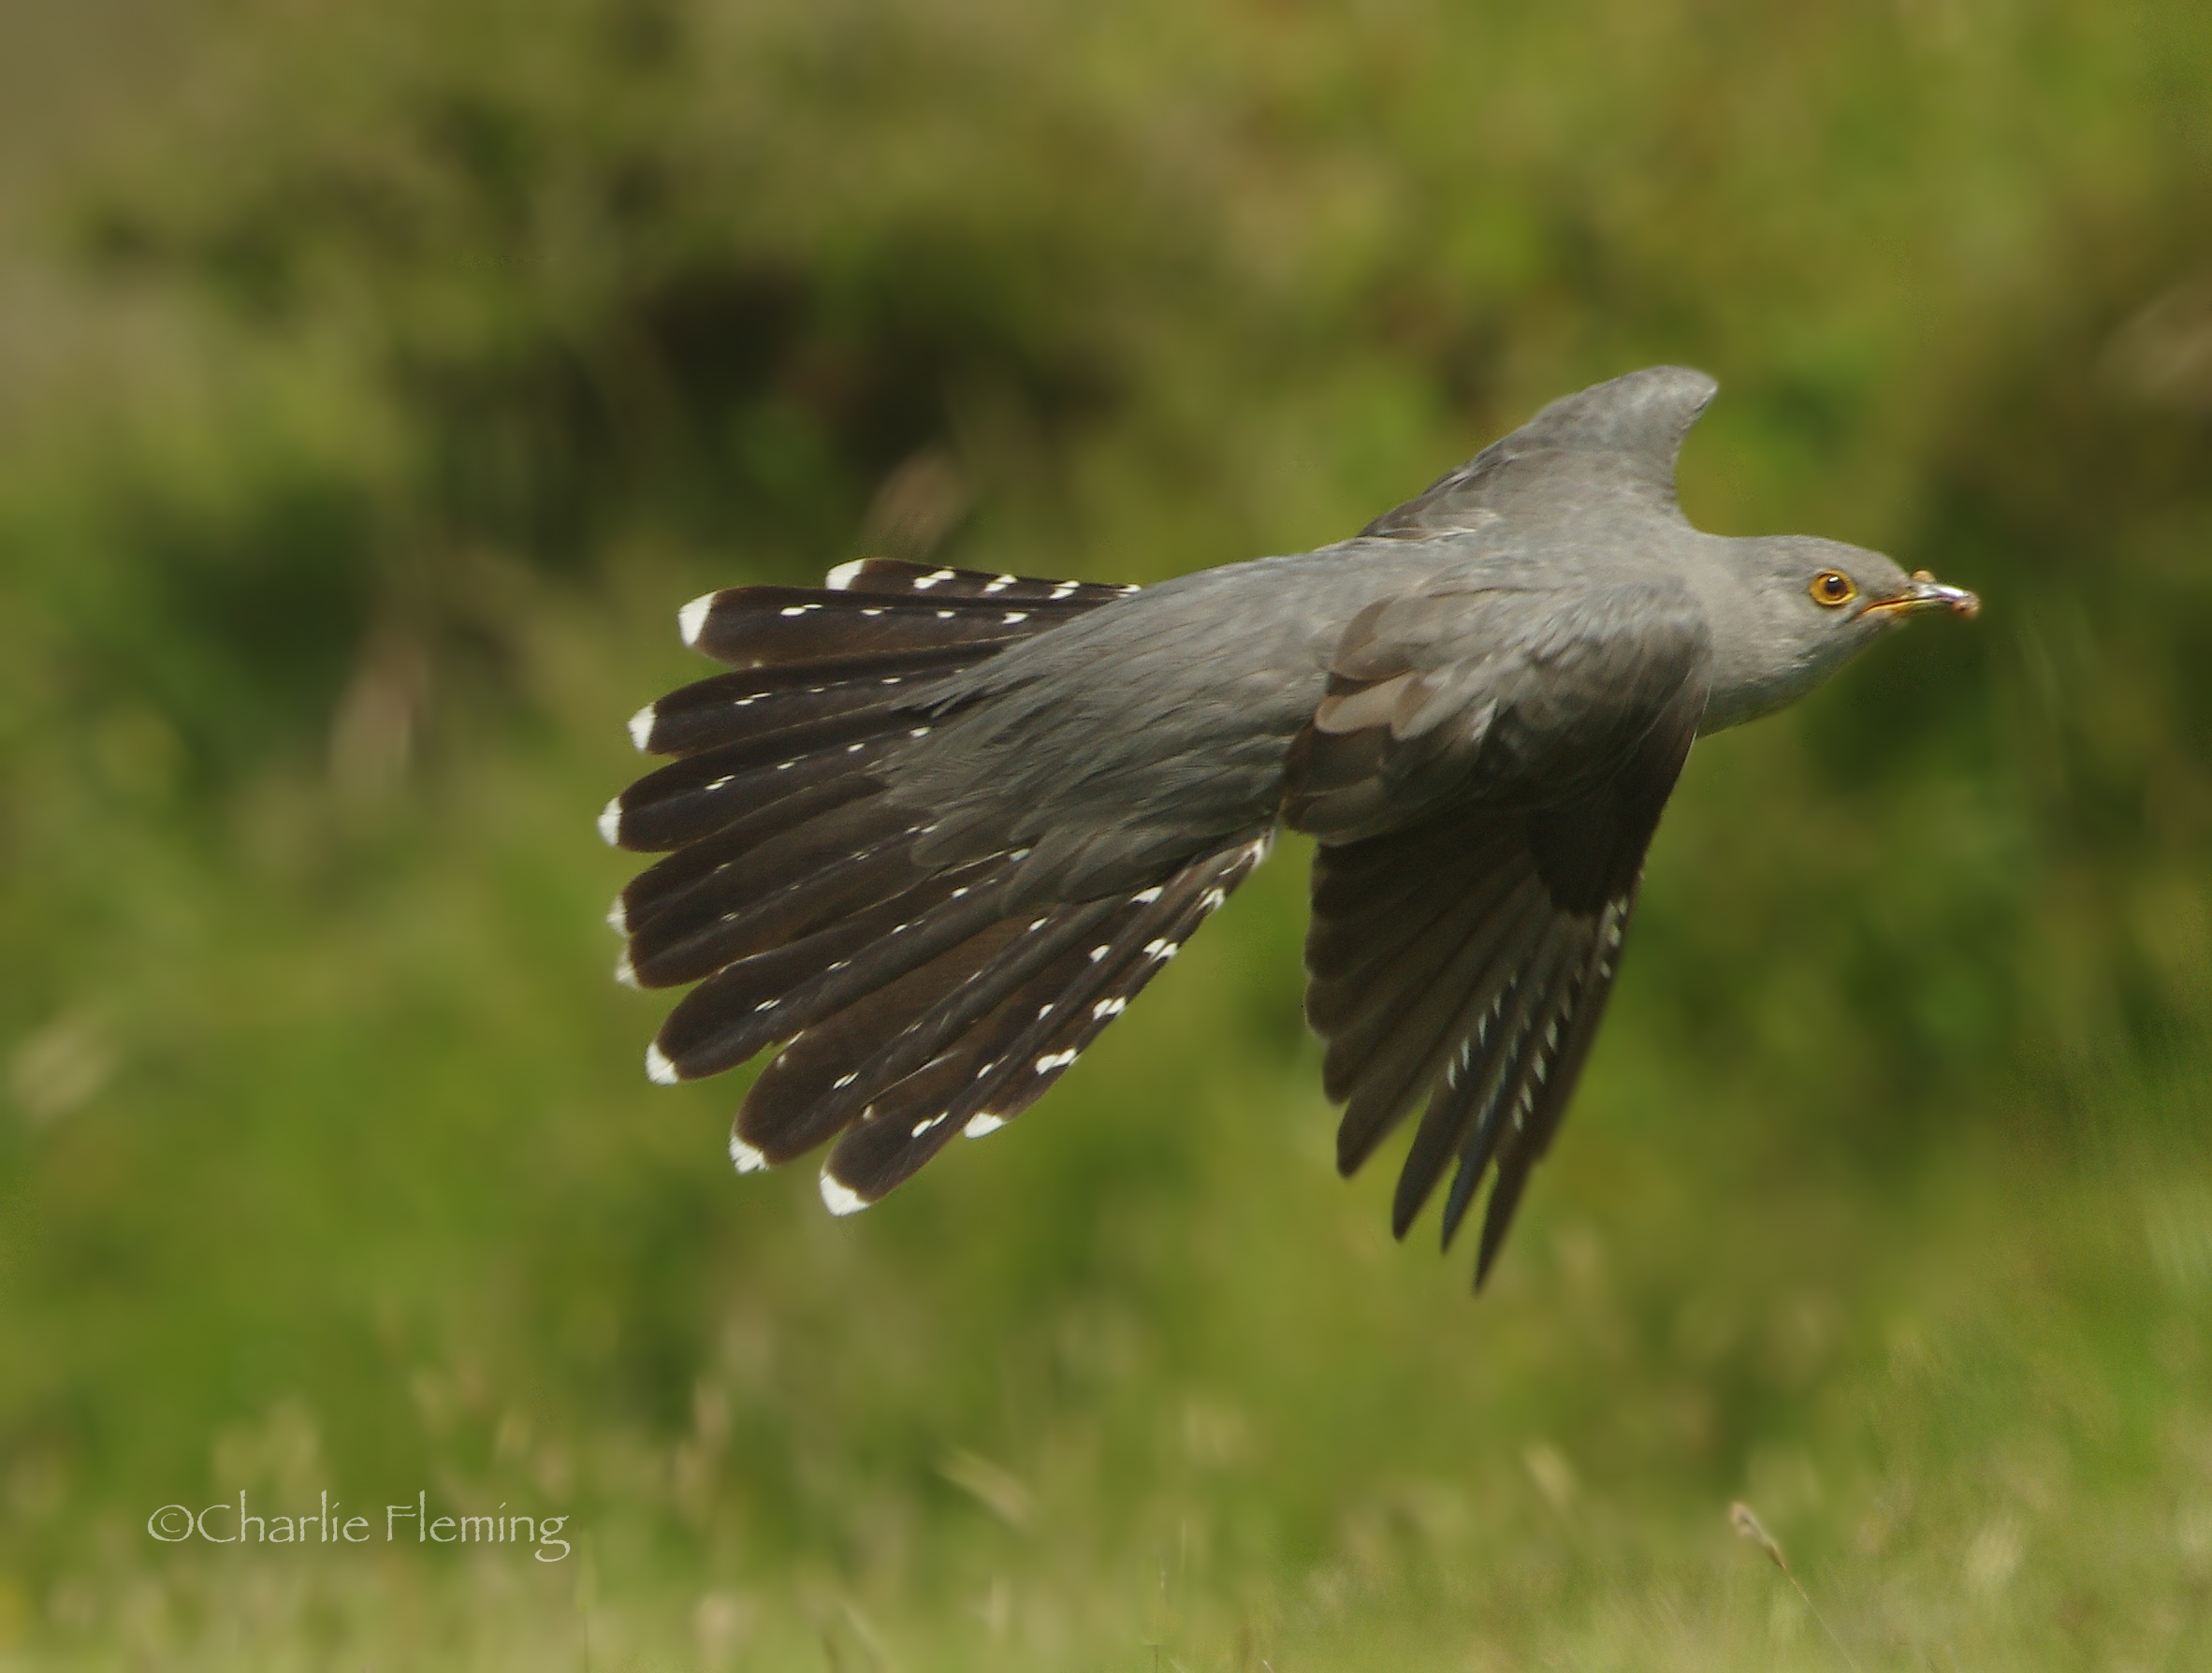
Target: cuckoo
x=936 y=828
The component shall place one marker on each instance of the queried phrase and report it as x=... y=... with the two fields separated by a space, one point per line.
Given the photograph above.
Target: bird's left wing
x=1484 y=776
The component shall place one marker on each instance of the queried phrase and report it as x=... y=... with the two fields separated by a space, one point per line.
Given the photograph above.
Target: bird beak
x=1924 y=593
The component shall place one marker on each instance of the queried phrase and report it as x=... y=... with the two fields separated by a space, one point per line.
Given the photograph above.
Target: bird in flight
x=936 y=828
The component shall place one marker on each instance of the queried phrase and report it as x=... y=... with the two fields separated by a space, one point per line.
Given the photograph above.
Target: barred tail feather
x=755 y=700
x=907 y=996
x=666 y=885
x=802 y=880
x=828 y=682
x=756 y=627
x=1037 y=1030
x=691 y=801
x=899 y=578
x=705 y=1033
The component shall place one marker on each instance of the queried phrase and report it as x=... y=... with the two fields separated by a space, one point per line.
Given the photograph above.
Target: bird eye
x=1832 y=587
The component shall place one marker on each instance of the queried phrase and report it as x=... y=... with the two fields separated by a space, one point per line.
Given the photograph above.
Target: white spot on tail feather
x=1097 y=952
x=1052 y=1060
x=658 y=1069
x=841 y=578
x=1000 y=584
x=691 y=619
x=1014 y=615
x=924 y=583
x=1211 y=900
x=1148 y=897
x=922 y=1128
x=840 y=1198
x=746 y=1159
x=1064 y=588
x=1106 y=1007
x=1162 y=949
x=844 y=1080
x=797 y=609
x=610 y=823
x=983 y=1126
x=640 y=727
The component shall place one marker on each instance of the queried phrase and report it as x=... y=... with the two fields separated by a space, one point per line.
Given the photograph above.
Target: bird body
x=938 y=826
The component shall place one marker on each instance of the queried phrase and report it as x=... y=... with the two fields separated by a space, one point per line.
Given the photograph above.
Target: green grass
x=384 y=382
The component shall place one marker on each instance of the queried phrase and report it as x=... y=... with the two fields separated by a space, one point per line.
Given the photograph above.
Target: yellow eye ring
x=1832 y=587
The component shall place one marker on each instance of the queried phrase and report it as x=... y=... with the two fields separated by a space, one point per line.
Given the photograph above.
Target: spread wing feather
x=1484 y=775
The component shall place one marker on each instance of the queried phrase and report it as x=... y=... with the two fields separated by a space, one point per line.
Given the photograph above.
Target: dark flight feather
x=1525 y=811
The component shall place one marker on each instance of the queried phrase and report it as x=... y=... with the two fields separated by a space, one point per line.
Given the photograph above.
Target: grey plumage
x=938 y=826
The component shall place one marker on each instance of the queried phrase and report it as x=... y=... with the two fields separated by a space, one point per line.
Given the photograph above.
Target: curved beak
x=1924 y=593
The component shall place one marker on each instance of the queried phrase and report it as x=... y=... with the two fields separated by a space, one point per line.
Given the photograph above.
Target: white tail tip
x=692 y=618
x=839 y=1199
x=626 y=973
x=746 y=1159
x=640 y=727
x=610 y=823
x=658 y=1068
x=617 y=919
x=841 y=577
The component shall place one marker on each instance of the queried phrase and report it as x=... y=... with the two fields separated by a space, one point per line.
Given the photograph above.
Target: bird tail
x=910 y=998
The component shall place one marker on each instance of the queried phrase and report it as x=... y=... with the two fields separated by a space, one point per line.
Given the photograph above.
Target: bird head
x=1802 y=607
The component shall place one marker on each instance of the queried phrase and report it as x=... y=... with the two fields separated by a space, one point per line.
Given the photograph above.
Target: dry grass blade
x=1745 y=1521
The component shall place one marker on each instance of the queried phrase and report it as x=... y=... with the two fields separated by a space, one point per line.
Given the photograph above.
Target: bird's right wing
x=1484 y=775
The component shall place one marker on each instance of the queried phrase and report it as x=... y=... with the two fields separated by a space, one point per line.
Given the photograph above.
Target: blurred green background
x=375 y=380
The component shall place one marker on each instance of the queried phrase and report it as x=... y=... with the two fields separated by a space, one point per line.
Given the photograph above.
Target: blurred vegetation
x=374 y=381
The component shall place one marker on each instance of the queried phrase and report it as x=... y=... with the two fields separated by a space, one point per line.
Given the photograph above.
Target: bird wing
x=1484 y=776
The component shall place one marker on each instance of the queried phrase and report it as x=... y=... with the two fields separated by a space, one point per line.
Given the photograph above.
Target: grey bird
x=938 y=827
